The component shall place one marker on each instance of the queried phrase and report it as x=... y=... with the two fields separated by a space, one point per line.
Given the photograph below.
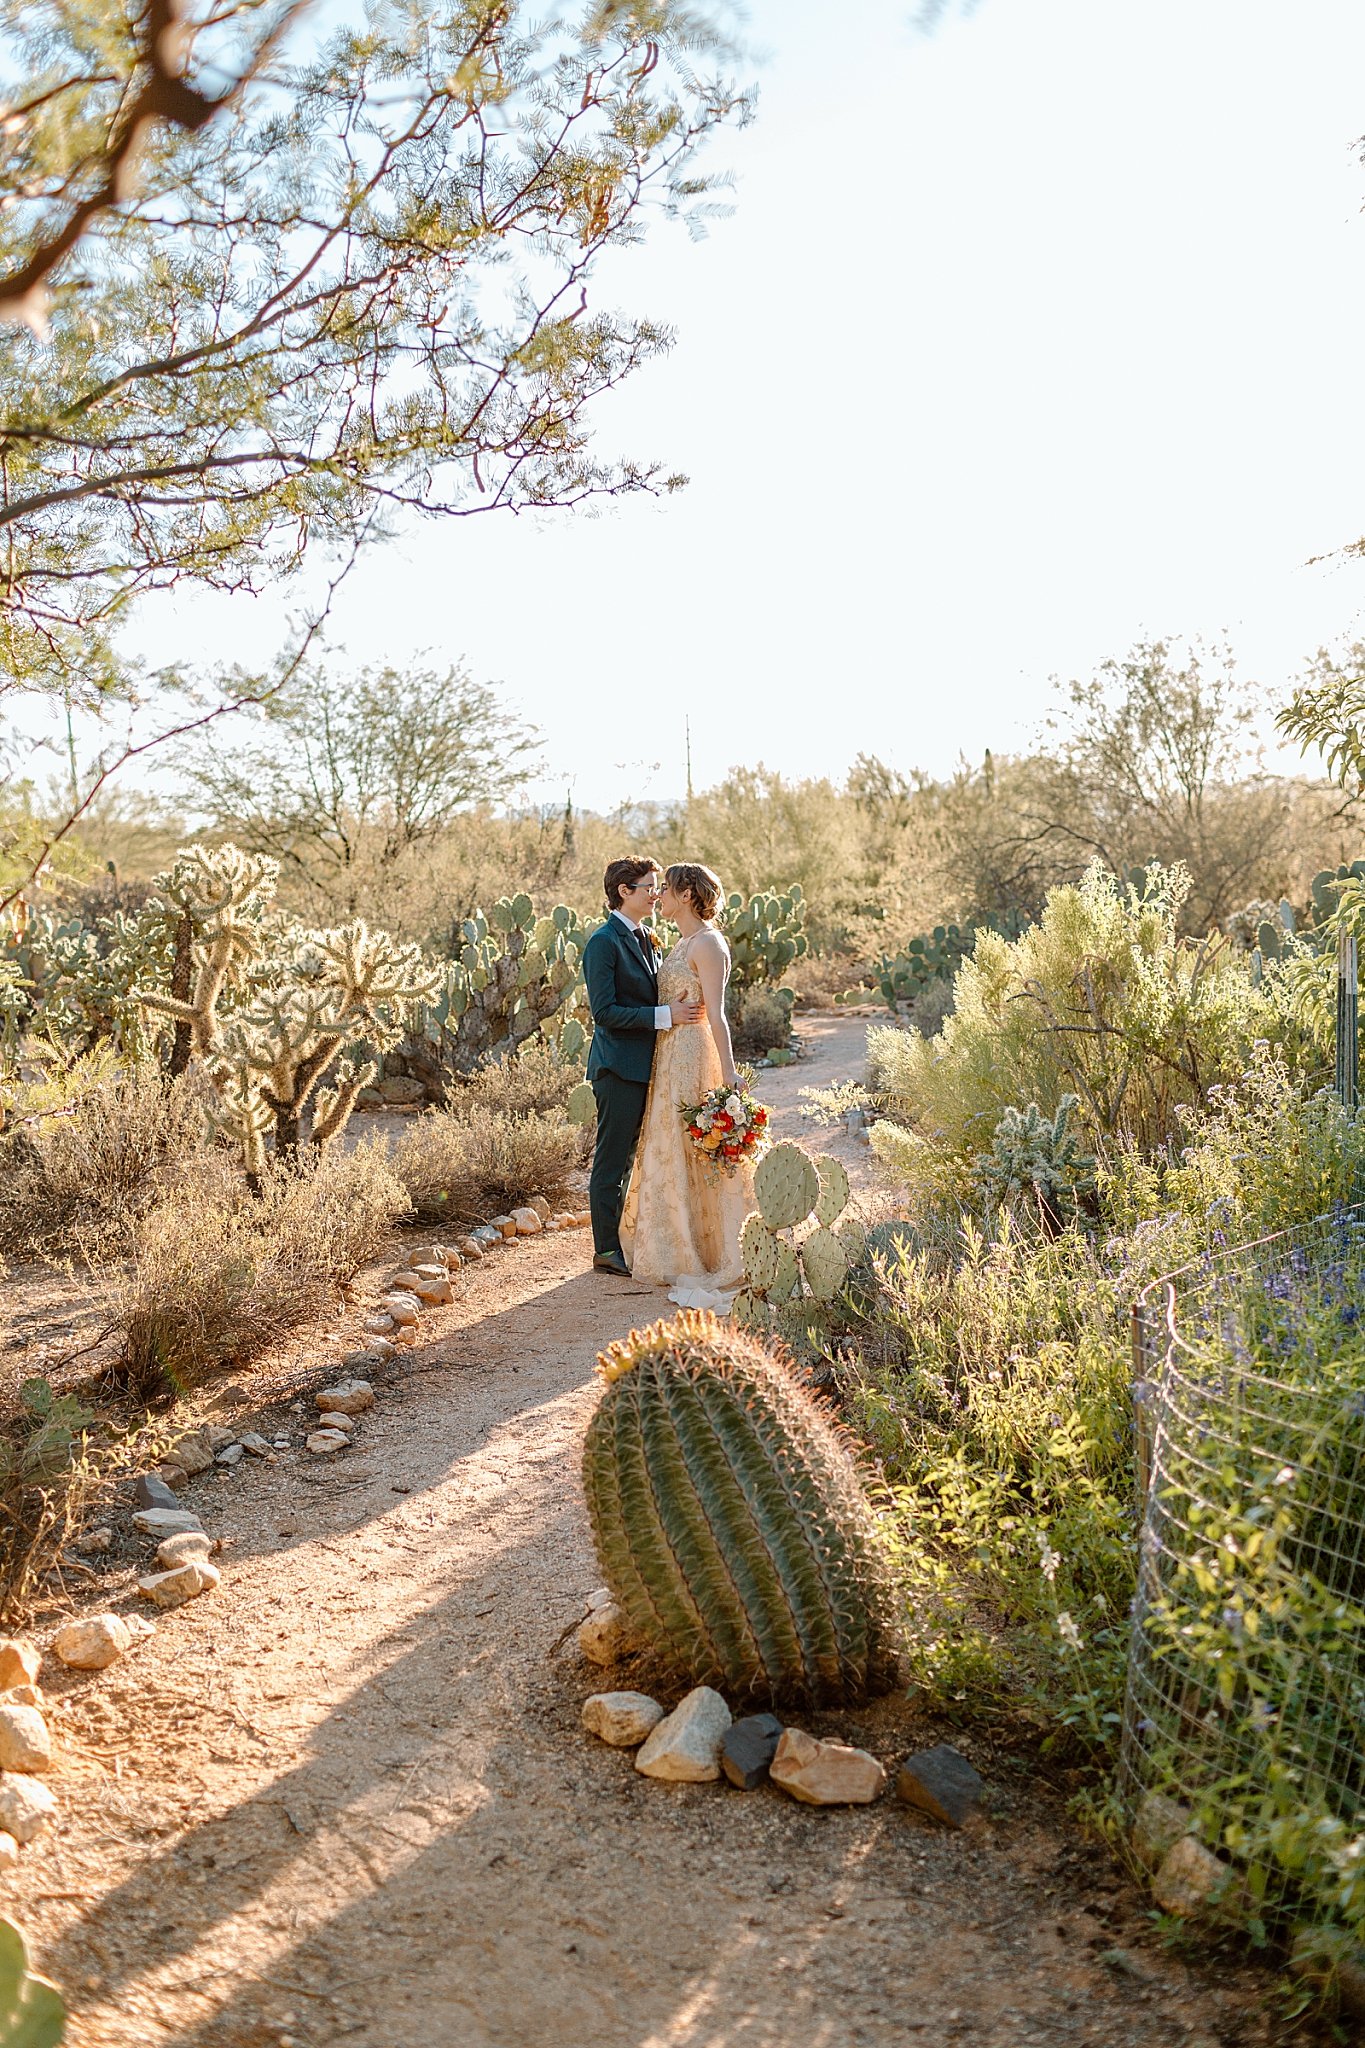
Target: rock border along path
x=348 y=1800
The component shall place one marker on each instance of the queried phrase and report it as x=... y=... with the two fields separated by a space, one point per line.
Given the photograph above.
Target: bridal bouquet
x=727 y=1127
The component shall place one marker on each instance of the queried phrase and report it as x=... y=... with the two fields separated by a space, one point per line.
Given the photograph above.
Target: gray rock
x=151 y=1491
x=94 y=1541
x=825 y=1773
x=942 y=1783
x=26 y=1806
x=685 y=1747
x=231 y=1454
x=255 y=1443
x=747 y=1750
x=181 y=1583
x=165 y=1521
x=347 y=1397
x=25 y=1744
x=621 y=1718
x=91 y=1642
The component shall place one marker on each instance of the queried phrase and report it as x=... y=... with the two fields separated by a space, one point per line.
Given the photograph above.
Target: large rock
x=181 y=1583
x=379 y=1325
x=165 y=1521
x=1157 y=1826
x=621 y=1718
x=685 y=1747
x=825 y=1773
x=347 y=1397
x=528 y=1222
x=470 y=1248
x=19 y=1662
x=748 y=1749
x=541 y=1207
x=402 y=1307
x=1192 y=1882
x=323 y=1442
x=430 y=1284
x=91 y=1642
x=193 y=1547
x=26 y=1806
x=603 y=1637
x=191 y=1453
x=940 y=1782
x=425 y=1255
x=150 y=1490
x=25 y=1744
x=173 y=1476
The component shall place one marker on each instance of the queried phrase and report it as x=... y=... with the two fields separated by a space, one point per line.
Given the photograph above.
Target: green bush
x=760 y=1018
x=1101 y=999
x=466 y=1168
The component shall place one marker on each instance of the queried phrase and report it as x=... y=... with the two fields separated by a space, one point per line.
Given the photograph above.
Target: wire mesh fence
x=1245 y=1699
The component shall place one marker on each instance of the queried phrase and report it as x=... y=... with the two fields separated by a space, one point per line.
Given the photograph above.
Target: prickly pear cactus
x=766 y=934
x=807 y=1198
x=514 y=974
x=730 y=1523
x=32 y=2011
x=787 y=1186
x=581 y=1107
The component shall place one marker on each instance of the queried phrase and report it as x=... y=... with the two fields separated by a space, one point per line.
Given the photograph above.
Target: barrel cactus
x=729 y=1521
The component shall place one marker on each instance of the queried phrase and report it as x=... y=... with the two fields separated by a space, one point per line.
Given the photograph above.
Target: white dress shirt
x=663 y=1016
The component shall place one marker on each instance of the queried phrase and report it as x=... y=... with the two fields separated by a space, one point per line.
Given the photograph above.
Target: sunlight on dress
x=682 y=1219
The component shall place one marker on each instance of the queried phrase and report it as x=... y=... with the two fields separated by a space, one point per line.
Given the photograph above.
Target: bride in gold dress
x=682 y=1218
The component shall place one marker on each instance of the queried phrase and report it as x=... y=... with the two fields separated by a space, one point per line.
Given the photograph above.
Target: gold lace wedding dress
x=682 y=1218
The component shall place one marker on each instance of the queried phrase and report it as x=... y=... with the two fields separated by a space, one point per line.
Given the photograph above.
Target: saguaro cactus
x=729 y=1521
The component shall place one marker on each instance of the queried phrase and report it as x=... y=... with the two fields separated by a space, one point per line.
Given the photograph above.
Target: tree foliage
x=362 y=286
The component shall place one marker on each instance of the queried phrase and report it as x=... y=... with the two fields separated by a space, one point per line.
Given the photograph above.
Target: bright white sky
x=1023 y=339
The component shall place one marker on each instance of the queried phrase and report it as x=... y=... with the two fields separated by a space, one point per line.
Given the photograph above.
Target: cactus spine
x=729 y=1521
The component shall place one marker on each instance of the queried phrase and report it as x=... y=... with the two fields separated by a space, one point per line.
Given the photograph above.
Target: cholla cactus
x=515 y=974
x=806 y=1198
x=1038 y=1159
x=340 y=990
x=215 y=900
x=766 y=934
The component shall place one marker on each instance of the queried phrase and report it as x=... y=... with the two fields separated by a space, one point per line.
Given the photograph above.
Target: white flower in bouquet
x=734 y=1107
x=706 y=1119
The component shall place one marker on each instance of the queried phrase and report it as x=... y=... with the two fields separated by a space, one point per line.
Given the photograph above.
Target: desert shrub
x=465 y=1168
x=1102 y=999
x=94 y=1149
x=760 y=1018
x=218 y=1274
x=538 y=1082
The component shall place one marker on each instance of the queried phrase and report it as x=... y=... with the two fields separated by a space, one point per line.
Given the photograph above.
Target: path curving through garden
x=346 y=1799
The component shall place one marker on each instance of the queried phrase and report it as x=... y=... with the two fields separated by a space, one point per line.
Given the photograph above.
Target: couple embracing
x=660 y=1039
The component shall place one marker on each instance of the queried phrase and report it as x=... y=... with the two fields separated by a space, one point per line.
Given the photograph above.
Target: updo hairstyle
x=699 y=886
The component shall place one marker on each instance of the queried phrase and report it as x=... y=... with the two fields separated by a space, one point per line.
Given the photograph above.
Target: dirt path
x=346 y=1799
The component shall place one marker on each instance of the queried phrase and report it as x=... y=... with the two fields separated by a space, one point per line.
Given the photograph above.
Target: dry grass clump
x=469 y=1167
x=218 y=1274
x=536 y=1083
x=92 y=1168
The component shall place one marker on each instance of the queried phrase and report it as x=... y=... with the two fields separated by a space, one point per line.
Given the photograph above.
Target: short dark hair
x=624 y=874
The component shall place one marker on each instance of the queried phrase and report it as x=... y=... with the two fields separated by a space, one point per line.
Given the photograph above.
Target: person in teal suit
x=620 y=968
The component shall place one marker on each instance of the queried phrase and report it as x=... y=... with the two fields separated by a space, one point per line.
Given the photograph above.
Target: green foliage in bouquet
x=730 y=1523
x=765 y=935
x=32 y=2011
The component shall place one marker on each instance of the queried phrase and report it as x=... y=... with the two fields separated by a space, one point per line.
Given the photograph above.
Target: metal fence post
x=1348 y=1019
